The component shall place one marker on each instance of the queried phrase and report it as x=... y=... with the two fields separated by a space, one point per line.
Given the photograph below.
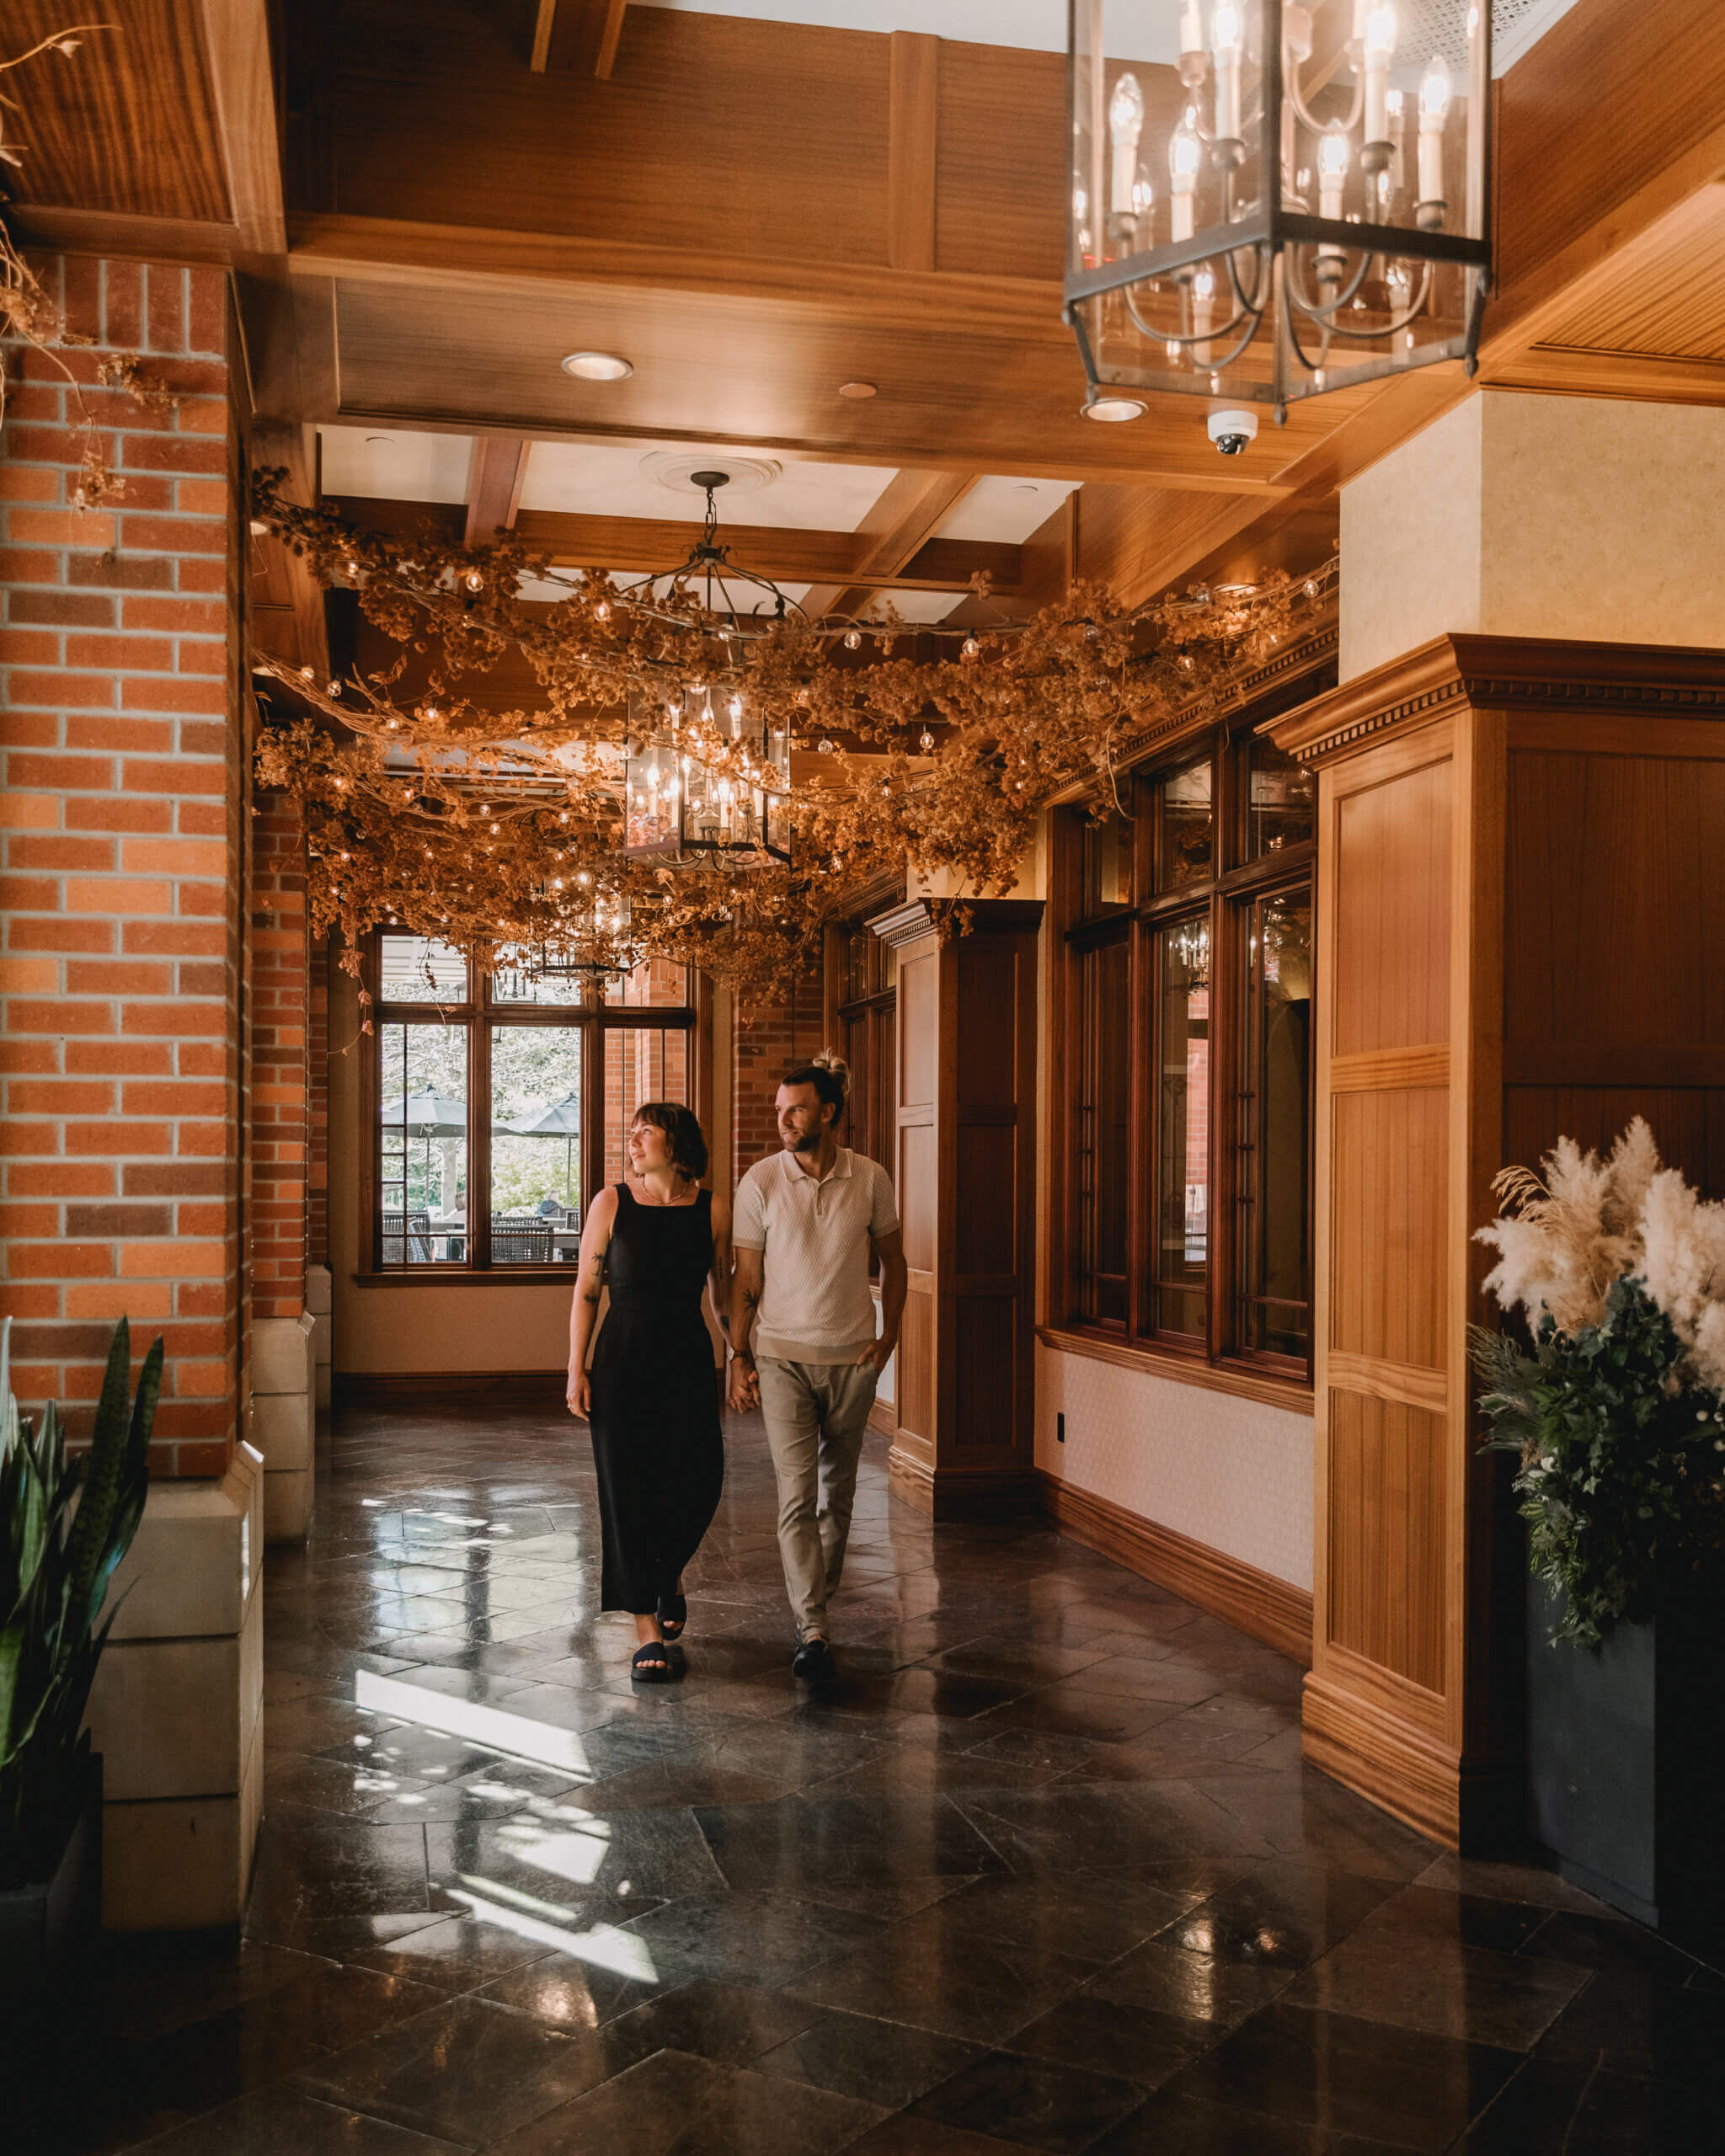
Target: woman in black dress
x=651 y=1396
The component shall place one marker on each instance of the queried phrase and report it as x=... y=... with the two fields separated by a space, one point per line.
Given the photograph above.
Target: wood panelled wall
x=966 y=1185
x=1521 y=897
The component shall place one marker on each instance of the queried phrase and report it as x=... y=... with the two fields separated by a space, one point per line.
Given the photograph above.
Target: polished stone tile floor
x=1043 y=1871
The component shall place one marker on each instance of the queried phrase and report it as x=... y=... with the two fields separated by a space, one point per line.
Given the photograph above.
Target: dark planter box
x=1624 y=1746
x=48 y=1928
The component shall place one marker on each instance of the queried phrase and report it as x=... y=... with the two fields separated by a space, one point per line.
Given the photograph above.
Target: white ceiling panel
x=1037 y=25
x=395 y=464
x=608 y=479
x=917 y=605
x=1007 y=511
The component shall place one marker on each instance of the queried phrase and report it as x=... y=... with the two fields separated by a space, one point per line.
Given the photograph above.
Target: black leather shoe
x=814 y=1664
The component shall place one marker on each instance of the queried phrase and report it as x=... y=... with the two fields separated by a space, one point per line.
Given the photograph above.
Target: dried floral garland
x=499 y=831
x=28 y=315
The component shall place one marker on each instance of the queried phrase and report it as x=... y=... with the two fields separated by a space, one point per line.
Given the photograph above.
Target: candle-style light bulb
x=1191 y=28
x=1228 y=45
x=1396 y=109
x=1125 y=125
x=1380 y=43
x=1433 y=111
x=1203 y=293
x=1185 y=155
x=1332 y=170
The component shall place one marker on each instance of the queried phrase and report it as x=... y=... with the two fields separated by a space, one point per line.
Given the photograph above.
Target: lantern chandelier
x=1270 y=200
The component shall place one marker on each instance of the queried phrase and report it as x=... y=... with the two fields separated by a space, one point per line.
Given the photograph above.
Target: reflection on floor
x=1044 y=1872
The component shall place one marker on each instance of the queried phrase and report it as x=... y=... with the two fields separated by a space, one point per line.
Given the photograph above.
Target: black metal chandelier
x=704 y=772
x=1270 y=200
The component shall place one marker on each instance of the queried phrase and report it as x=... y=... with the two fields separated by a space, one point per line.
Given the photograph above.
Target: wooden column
x=966 y=1164
x=1521 y=900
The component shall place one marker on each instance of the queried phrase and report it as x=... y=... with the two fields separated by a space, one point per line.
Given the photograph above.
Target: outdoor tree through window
x=503 y=1100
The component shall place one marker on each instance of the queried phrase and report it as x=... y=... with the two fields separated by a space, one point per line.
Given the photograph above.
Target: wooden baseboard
x=1473 y=1805
x=428 y=1389
x=882 y=1418
x=957 y=1494
x=1253 y=1601
x=1404 y=1771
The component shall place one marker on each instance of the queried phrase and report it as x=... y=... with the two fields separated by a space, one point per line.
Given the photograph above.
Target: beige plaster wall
x=1589 y=518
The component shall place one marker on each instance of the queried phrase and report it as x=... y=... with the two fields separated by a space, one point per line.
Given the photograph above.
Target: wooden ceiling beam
x=577 y=36
x=901 y=521
x=236 y=47
x=273 y=443
x=645 y=546
x=494 y=478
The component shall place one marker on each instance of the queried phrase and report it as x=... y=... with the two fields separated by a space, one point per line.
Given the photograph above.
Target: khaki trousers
x=815 y=1414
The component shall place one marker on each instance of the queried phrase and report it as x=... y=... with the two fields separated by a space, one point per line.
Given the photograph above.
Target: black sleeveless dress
x=657 y=1440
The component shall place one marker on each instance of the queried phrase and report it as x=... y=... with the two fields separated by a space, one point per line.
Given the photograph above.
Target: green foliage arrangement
x=1619 y=1474
x=1618 y=1416
x=65 y=1525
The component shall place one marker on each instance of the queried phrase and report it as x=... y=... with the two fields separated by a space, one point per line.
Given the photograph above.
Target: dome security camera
x=1231 y=430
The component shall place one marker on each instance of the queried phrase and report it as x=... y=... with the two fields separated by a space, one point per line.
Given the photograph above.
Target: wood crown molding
x=1253 y=1601
x=918 y=917
x=905 y=924
x=1525 y=673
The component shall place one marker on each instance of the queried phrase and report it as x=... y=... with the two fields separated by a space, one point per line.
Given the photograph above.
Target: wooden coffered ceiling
x=427 y=203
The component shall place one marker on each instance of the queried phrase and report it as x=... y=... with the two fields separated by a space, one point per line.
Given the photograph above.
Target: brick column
x=123 y=837
x=768 y=1036
x=283 y=1367
x=121 y=808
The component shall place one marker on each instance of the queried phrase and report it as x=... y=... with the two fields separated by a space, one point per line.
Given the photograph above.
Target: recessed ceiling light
x=597 y=366
x=1027 y=486
x=1113 y=409
x=859 y=390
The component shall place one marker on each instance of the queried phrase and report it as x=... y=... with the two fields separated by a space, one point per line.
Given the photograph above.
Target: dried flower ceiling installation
x=704 y=771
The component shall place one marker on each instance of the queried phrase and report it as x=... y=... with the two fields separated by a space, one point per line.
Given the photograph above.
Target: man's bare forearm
x=894 y=1286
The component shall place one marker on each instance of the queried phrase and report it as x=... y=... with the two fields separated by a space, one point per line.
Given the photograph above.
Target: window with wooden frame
x=867 y=1017
x=1182 y=1213
x=500 y=1103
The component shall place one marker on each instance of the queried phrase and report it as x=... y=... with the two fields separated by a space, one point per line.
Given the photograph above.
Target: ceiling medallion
x=686 y=472
x=1298 y=203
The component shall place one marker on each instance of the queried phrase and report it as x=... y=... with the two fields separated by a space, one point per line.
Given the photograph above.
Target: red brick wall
x=278 y=1036
x=317 y=1117
x=120 y=823
x=768 y=1037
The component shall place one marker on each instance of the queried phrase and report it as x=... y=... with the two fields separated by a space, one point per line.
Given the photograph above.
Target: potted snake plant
x=65 y=1525
x=1612 y=1403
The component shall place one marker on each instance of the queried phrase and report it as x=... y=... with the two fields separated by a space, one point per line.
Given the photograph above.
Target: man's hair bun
x=829 y=1075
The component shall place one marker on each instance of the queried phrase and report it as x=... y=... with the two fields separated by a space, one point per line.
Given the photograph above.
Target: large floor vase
x=1626 y=1758
x=49 y=1926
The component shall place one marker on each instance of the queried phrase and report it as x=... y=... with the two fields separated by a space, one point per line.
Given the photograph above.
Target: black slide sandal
x=673 y=1615
x=650 y=1663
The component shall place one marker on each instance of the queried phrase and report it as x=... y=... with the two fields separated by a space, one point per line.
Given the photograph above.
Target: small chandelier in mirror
x=591 y=945
x=1270 y=200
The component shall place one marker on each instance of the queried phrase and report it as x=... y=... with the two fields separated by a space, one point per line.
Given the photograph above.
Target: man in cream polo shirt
x=803 y=1226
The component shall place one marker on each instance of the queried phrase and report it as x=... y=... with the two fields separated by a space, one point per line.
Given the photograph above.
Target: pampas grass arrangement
x=1618 y=1416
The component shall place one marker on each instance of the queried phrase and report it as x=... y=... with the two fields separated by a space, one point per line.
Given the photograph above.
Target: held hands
x=744 y=1391
x=581 y=1396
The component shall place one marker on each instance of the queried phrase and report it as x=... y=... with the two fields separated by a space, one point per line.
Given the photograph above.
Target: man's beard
x=810 y=1142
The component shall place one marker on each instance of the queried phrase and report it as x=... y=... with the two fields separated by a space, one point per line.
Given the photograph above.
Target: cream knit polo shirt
x=815 y=1304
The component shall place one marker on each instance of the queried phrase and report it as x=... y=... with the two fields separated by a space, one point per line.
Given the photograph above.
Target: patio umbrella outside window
x=426 y=1114
x=561 y=1120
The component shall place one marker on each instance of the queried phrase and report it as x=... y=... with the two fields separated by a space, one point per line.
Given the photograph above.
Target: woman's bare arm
x=719 y=1279
x=589 y=1285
